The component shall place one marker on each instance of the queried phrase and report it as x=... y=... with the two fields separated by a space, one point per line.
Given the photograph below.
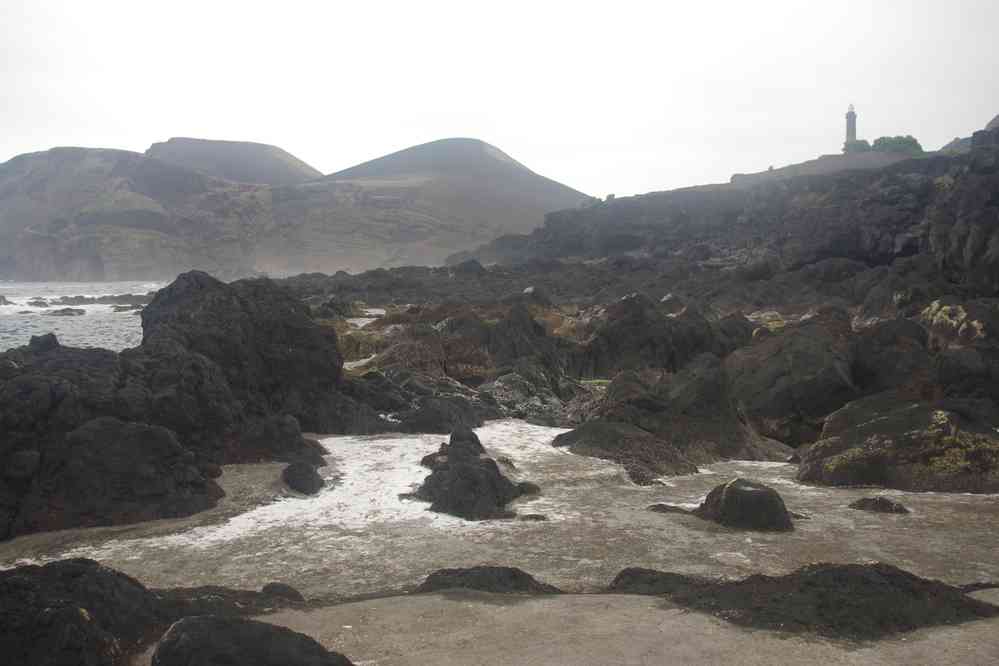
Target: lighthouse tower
x=851 y=125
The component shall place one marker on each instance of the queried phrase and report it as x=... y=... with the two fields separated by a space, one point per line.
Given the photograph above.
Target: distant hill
x=415 y=206
x=96 y=214
x=240 y=161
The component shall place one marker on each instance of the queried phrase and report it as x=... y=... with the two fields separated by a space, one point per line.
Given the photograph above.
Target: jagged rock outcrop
x=466 y=483
x=855 y=601
x=208 y=640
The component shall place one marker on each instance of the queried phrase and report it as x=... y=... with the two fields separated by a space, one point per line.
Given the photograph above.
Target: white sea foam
x=372 y=472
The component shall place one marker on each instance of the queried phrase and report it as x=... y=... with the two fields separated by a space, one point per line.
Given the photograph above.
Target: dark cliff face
x=944 y=207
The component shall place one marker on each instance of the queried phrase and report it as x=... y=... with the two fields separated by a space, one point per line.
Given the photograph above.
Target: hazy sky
x=609 y=96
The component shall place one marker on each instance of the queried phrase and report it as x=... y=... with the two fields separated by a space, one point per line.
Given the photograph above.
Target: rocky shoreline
x=846 y=326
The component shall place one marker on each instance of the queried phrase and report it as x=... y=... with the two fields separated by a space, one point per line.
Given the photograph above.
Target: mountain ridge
x=238 y=161
x=108 y=214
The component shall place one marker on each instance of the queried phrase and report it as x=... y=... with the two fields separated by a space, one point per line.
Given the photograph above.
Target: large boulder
x=303 y=477
x=889 y=440
x=746 y=504
x=486 y=579
x=786 y=383
x=643 y=455
x=211 y=640
x=108 y=472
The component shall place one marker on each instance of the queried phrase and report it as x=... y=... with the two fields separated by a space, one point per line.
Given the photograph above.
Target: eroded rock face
x=486 y=579
x=746 y=504
x=855 y=601
x=209 y=640
x=889 y=440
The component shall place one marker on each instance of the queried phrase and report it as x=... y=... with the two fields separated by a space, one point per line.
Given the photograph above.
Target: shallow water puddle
x=358 y=536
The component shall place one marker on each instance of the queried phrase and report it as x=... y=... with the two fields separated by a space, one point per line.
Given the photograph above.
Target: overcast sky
x=609 y=96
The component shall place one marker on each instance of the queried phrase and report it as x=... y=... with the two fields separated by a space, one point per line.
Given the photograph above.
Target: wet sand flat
x=464 y=627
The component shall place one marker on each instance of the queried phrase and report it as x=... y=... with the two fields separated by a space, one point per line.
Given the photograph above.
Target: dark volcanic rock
x=303 y=477
x=486 y=579
x=109 y=471
x=282 y=590
x=274 y=356
x=787 y=383
x=634 y=332
x=4 y=301
x=879 y=504
x=692 y=411
x=888 y=440
x=466 y=483
x=225 y=373
x=73 y=612
x=746 y=504
x=836 y=600
x=643 y=455
x=473 y=489
x=210 y=640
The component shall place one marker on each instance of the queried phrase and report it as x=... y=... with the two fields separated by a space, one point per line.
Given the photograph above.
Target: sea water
x=99 y=326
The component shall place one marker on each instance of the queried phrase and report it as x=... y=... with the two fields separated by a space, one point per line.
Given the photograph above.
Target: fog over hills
x=94 y=214
x=240 y=161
